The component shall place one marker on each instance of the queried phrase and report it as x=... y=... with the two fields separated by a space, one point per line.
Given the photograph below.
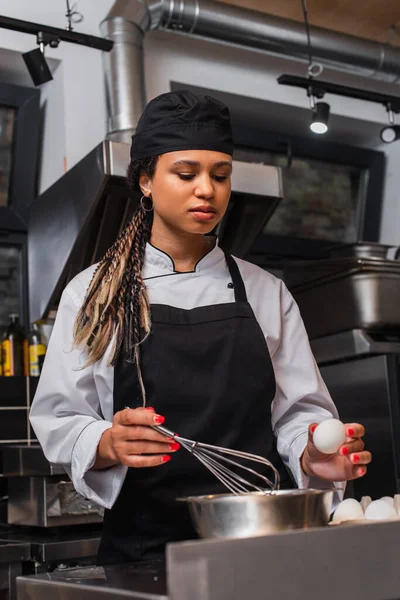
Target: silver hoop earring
x=143 y=206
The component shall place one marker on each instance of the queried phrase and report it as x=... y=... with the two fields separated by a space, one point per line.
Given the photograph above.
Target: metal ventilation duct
x=129 y=20
x=73 y=223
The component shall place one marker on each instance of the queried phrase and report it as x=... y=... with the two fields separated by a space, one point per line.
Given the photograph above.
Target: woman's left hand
x=349 y=462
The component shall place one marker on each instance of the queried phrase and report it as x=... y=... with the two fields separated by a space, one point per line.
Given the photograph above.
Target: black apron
x=209 y=372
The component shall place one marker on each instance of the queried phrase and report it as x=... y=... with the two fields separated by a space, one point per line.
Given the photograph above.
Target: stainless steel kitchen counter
x=48 y=546
x=135 y=581
x=346 y=561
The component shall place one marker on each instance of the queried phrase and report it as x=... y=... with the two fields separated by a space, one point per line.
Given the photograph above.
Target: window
x=13 y=279
x=10 y=278
x=7 y=120
x=321 y=199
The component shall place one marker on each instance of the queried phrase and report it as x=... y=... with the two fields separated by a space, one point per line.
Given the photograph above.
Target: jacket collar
x=158 y=263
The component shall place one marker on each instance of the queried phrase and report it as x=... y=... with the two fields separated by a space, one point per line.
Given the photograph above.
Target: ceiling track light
x=392 y=132
x=46 y=35
x=319 y=123
x=318 y=88
x=35 y=60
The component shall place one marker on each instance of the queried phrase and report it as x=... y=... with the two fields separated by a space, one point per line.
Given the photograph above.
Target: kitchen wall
x=75 y=108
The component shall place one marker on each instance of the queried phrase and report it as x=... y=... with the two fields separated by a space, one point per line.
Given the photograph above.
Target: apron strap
x=238 y=285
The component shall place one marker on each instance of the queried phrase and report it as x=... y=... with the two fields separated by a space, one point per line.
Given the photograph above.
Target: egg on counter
x=348 y=510
x=365 y=501
x=380 y=510
x=329 y=436
x=388 y=499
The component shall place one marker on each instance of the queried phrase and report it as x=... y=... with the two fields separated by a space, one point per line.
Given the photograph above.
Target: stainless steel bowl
x=254 y=514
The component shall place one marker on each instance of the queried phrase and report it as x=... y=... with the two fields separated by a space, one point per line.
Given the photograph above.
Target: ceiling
x=371 y=19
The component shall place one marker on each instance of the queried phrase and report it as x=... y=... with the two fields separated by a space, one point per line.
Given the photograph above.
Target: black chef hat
x=182 y=121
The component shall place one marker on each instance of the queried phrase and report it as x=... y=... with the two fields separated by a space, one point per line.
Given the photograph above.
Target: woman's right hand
x=132 y=442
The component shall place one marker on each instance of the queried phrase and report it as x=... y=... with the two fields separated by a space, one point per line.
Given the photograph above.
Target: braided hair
x=116 y=308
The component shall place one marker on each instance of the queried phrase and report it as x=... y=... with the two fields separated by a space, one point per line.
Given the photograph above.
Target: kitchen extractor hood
x=72 y=224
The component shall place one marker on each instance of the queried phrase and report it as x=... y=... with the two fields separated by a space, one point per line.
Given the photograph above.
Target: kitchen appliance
x=41 y=494
x=346 y=293
x=214 y=458
x=248 y=515
x=363 y=250
x=48 y=502
x=42 y=515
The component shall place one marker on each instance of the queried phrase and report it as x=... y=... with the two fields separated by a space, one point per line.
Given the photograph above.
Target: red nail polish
x=344 y=451
x=363 y=471
x=165 y=458
x=356 y=458
x=350 y=432
x=159 y=419
x=313 y=428
x=174 y=446
x=149 y=408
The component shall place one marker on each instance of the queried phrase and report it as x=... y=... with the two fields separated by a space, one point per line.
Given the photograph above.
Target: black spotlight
x=35 y=60
x=390 y=134
x=320 y=118
x=37 y=66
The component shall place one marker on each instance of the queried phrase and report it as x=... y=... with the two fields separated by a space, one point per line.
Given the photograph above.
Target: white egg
x=380 y=510
x=396 y=502
x=365 y=501
x=348 y=510
x=388 y=499
x=329 y=436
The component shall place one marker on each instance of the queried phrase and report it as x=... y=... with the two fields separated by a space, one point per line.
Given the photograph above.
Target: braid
x=116 y=307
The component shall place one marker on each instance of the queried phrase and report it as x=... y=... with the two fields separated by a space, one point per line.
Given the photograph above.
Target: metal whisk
x=214 y=457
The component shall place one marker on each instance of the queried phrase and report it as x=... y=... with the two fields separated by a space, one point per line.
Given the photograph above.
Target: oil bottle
x=14 y=349
x=37 y=350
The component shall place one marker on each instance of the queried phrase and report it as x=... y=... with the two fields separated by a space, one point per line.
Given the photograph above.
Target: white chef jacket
x=72 y=406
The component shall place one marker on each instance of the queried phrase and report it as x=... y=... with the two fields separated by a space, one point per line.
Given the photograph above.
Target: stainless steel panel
x=116 y=158
x=352 y=344
x=358 y=301
x=14 y=551
x=300 y=275
x=23 y=461
x=140 y=580
x=359 y=562
x=60 y=550
x=362 y=249
x=64 y=223
x=50 y=590
x=67 y=545
x=256 y=179
x=46 y=502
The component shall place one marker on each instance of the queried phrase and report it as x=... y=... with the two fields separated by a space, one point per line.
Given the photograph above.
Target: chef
x=166 y=328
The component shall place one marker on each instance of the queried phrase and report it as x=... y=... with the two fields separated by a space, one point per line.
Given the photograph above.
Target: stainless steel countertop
x=145 y=581
x=54 y=547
